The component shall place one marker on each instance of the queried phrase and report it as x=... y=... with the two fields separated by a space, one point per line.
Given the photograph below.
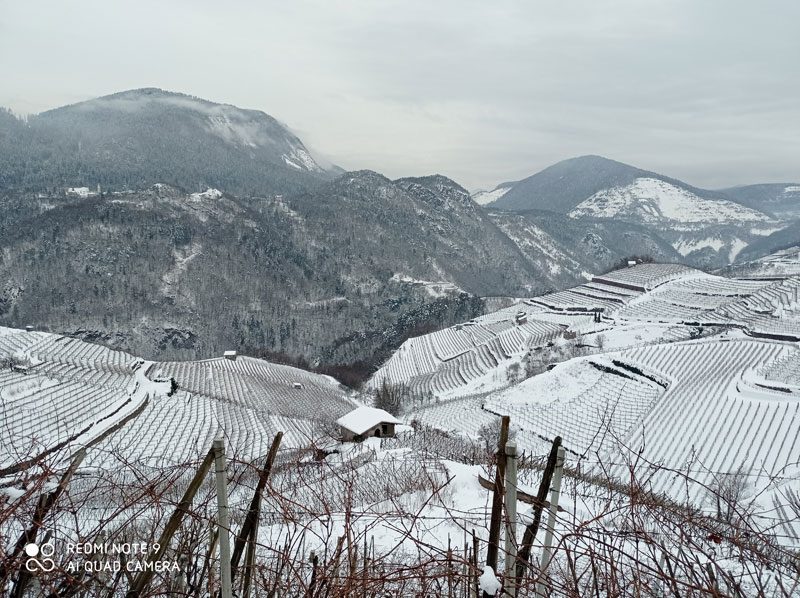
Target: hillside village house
x=365 y=422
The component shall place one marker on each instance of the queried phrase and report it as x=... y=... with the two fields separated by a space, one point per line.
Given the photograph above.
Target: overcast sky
x=483 y=92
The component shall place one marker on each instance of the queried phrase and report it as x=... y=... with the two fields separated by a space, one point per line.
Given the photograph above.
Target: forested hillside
x=133 y=139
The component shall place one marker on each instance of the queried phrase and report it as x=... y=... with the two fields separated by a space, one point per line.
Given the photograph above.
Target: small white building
x=230 y=355
x=365 y=422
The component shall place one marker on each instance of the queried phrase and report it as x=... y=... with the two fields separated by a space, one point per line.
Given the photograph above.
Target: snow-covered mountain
x=566 y=184
x=136 y=138
x=707 y=228
x=650 y=200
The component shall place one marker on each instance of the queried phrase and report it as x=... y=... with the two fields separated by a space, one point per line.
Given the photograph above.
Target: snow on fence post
x=511 y=516
x=223 y=522
x=555 y=492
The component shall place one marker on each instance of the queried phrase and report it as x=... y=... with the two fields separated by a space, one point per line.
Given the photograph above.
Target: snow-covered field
x=780 y=264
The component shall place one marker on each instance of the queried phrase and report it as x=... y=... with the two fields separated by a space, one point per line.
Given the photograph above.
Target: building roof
x=362 y=419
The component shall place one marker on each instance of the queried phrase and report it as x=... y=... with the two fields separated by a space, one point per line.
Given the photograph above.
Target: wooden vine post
x=495 y=524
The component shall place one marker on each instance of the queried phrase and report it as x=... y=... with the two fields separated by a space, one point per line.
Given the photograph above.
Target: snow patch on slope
x=207 y=194
x=736 y=248
x=301 y=160
x=653 y=200
x=434 y=289
x=486 y=197
x=536 y=242
x=302 y=156
x=685 y=247
x=764 y=231
x=181 y=257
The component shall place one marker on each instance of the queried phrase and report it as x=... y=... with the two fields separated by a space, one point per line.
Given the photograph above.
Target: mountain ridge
x=136 y=138
x=588 y=174
x=707 y=228
x=252 y=245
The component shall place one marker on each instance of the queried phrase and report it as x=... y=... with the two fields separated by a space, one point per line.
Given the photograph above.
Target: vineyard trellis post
x=532 y=528
x=475 y=557
x=672 y=582
x=712 y=579
x=493 y=547
x=141 y=580
x=465 y=572
x=249 y=531
x=250 y=557
x=223 y=522
x=552 y=512
x=511 y=515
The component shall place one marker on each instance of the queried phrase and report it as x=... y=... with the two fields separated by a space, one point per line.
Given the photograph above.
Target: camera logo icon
x=33 y=551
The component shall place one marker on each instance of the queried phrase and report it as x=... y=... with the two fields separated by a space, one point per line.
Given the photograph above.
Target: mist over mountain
x=778 y=199
x=134 y=139
x=781 y=239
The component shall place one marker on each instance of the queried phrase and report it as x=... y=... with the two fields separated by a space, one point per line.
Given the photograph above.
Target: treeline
x=144 y=273
x=422 y=320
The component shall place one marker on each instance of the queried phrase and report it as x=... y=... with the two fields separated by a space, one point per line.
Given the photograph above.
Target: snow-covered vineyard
x=685 y=374
x=59 y=393
x=466 y=359
x=778 y=265
x=676 y=394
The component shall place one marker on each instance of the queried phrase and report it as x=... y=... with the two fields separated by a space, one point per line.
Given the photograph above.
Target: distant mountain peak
x=134 y=138
x=564 y=185
x=145 y=91
x=436 y=189
x=652 y=200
